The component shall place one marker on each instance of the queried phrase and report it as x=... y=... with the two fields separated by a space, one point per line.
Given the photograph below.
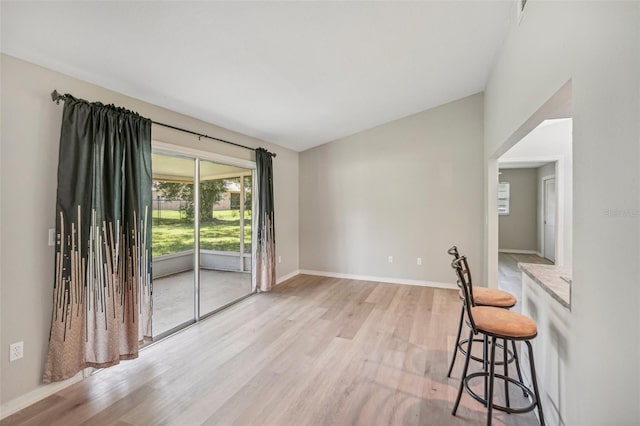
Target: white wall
x=29 y=155
x=410 y=188
x=597 y=46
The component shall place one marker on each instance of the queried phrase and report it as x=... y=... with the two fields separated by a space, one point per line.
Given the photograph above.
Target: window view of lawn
x=173 y=232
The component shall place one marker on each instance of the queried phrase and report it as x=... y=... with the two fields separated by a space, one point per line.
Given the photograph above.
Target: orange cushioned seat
x=498 y=321
x=483 y=296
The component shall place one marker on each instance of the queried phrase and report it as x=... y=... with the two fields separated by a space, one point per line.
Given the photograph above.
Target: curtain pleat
x=102 y=283
x=266 y=248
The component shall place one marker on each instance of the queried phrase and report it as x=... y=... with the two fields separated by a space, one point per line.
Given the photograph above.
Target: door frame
x=543 y=209
x=163 y=148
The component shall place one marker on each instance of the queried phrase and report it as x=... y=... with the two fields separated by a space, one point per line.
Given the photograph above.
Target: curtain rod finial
x=55 y=96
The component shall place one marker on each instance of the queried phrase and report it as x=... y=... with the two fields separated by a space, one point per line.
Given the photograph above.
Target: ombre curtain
x=102 y=284
x=266 y=247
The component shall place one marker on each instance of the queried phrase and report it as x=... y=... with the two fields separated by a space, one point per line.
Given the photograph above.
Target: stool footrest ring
x=463 y=351
x=529 y=393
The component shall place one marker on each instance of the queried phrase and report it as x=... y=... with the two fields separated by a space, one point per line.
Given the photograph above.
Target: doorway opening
x=532 y=222
x=202 y=238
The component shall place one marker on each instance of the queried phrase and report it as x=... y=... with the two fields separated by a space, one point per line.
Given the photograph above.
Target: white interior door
x=550 y=202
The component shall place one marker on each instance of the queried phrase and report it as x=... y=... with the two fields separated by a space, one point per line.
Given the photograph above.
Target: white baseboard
x=38 y=394
x=287 y=277
x=380 y=279
x=515 y=251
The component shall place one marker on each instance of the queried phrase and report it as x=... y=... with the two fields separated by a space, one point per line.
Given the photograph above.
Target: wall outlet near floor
x=52 y=237
x=16 y=351
x=279 y=259
x=390 y=259
x=419 y=261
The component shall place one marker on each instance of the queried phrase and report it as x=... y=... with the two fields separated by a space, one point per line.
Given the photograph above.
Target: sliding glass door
x=202 y=239
x=173 y=243
x=225 y=209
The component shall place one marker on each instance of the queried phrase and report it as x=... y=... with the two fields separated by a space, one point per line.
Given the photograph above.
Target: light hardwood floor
x=315 y=350
x=510 y=276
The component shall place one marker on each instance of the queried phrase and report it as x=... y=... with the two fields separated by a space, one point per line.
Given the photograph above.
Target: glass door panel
x=173 y=243
x=225 y=271
x=248 y=208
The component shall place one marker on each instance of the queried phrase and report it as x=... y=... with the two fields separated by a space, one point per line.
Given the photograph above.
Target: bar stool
x=482 y=296
x=495 y=323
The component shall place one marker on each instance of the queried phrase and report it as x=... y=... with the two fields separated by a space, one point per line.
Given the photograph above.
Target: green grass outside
x=173 y=233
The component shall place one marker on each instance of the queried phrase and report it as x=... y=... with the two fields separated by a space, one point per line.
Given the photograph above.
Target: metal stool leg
x=506 y=371
x=455 y=351
x=515 y=358
x=534 y=381
x=485 y=364
x=492 y=368
x=464 y=373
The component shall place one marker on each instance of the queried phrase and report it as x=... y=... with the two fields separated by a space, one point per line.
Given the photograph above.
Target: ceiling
x=544 y=141
x=297 y=74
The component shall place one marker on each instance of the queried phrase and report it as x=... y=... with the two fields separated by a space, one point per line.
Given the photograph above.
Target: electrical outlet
x=16 y=351
x=390 y=259
x=419 y=261
x=279 y=259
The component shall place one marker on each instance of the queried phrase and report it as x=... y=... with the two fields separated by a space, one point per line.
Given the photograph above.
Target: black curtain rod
x=57 y=97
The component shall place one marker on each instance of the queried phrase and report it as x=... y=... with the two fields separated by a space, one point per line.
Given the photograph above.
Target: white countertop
x=555 y=280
